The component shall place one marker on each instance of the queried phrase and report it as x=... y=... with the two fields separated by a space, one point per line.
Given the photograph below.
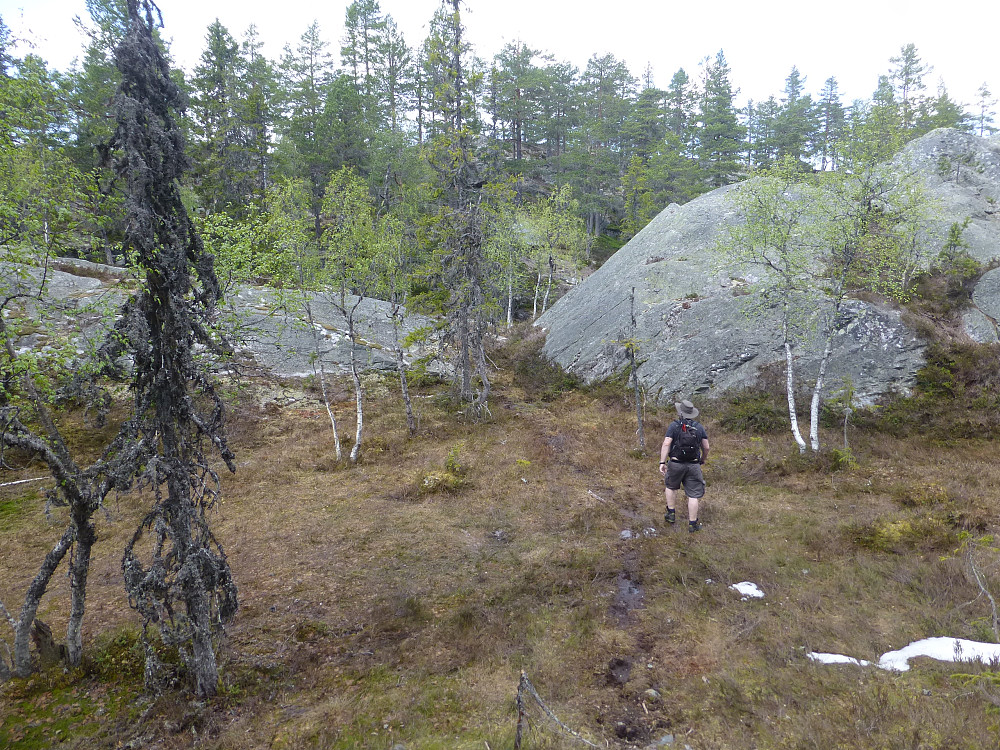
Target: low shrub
x=956 y=395
x=537 y=377
x=901 y=534
x=753 y=411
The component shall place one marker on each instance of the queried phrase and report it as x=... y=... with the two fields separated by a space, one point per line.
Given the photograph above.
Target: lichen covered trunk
x=21 y=656
x=79 y=570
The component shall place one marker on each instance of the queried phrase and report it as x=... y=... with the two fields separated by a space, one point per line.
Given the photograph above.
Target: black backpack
x=686 y=447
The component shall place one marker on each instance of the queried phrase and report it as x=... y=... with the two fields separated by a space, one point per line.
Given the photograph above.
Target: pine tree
x=308 y=143
x=831 y=115
x=645 y=124
x=761 y=128
x=908 y=77
x=516 y=84
x=984 y=111
x=396 y=73
x=681 y=107
x=256 y=111
x=942 y=112
x=559 y=107
x=795 y=124
x=217 y=156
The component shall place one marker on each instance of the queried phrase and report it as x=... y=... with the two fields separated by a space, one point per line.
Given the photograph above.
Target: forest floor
x=396 y=602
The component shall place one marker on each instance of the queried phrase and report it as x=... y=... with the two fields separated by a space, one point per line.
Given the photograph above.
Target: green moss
x=12 y=511
x=900 y=534
x=117 y=656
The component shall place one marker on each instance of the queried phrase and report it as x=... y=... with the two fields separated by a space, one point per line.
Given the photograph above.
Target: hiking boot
x=694 y=526
x=670 y=516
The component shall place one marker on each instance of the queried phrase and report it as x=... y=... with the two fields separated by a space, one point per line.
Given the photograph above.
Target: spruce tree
x=184 y=586
x=830 y=113
x=720 y=136
x=795 y=125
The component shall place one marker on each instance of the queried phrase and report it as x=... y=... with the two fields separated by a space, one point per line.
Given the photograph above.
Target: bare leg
x=693 y=508
x=670 y=498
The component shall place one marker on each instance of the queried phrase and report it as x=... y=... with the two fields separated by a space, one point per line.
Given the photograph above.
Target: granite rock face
x=281 y=342
x=284 y=343
x=961 y=173
x=692 y=324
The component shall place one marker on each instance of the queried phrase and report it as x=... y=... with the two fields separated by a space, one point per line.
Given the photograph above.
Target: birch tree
x=810 y=248
x=558 y=237
x=349 y=273
x=768 y=244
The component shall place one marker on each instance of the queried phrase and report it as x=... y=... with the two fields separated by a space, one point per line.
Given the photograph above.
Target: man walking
x=685 y=448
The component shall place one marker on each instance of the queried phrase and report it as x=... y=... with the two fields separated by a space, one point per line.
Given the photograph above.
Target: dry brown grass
x=375 y=613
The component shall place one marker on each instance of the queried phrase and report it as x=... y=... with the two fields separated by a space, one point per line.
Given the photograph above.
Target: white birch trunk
x=411 y=422
x=359 y=394
x=538 y=286
x=548 y=286
x=320 y=372
x=510 y=301
x=790 y=390
x=817 y=392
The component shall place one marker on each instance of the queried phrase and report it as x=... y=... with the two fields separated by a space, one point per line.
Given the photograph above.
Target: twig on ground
x=525 y=686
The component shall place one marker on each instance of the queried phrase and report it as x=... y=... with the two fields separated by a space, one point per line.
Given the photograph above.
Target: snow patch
x=942 y=649
x=836 y=659
x=747 y=590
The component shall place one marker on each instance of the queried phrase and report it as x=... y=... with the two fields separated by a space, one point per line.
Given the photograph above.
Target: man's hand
x=663 y=468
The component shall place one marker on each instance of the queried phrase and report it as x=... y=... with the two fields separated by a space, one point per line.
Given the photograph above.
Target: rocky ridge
x=695 y=336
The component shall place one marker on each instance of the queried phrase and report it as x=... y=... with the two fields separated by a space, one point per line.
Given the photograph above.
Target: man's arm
x=704 y=449
x=664 y=453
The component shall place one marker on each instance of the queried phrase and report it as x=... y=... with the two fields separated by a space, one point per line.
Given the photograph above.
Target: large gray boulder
x=691 y=321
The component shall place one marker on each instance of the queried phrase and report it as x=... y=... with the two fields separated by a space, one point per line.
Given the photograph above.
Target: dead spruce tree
x=176 y=572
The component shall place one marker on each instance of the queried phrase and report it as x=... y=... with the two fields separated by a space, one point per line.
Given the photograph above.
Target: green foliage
x=450 y=479
x=238 y=246
x=956 y=395
x=946 y=288
x=453 y=464
x=419 y=374
x=843 y=459
x=540 y=379
x=604 y=246
x=753 y=411
x=14 y=509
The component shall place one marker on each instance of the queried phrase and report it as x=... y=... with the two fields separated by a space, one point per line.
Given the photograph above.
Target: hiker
x=685 y=448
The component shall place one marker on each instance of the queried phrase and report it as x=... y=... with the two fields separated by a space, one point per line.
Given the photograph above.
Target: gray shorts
x=687 y=474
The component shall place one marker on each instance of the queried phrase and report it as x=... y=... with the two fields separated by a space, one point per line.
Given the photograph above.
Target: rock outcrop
x=693 y=332
x=81 y=297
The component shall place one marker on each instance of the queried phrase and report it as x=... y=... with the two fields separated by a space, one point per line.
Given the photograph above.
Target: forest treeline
x=363 y=97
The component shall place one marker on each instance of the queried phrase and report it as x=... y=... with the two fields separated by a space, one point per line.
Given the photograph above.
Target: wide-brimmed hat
x=686 y=409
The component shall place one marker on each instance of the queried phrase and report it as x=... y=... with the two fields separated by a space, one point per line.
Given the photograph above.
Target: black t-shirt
x=674 y=431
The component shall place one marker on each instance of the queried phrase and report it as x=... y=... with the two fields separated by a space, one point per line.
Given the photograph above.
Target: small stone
x=626 y=534
x=652 y=696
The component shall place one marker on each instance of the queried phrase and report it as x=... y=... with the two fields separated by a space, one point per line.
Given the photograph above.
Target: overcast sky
x=852 y=40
